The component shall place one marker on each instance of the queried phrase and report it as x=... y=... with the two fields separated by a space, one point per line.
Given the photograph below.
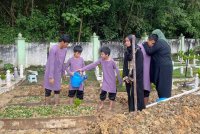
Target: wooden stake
x=134 y=72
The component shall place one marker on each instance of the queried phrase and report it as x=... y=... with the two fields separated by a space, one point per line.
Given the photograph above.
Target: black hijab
x=128 y=52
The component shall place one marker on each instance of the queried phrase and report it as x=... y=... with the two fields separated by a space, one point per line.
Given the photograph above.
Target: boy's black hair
x=105 y=50
x=153 y=37
x=65 y=38
x=78 y=48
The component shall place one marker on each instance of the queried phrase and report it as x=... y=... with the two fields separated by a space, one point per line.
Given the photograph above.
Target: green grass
x=176 y=73
x=13 y=112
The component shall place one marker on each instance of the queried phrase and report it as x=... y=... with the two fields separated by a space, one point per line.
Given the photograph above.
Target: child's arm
x=151 y=50
x=51 y=63
x=118 y=73
x=67 y=67
x=90 y=66
x=83 y=65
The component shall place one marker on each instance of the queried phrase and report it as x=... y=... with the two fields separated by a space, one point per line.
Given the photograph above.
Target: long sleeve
x=151 y=50
x=91 y=66
x=83 y=63
x=52 y=56
x=125 y=66
x=67 y=66
x=139 y=65
x=118 y=73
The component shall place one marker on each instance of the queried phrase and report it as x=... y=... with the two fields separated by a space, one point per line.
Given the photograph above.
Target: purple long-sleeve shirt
x=72 y=65
x=146 y=69
x=109 y=79
x=54 y=67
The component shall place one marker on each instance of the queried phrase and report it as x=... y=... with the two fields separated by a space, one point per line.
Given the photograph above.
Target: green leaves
x=110 y=19
x=13 y=112
x=71 y=18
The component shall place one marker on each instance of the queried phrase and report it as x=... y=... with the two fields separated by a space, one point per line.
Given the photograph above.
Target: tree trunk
x=134 y=74
x=12 y=12
x=32 y=7
x=80 y=29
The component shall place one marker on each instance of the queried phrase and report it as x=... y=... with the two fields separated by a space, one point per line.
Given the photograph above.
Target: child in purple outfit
x=54 y=69
x=109 y=79
x=73 y=64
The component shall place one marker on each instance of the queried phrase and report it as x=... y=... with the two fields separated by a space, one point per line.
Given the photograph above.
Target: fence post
x=95 y=45
x=182 y=43
x=21 y=53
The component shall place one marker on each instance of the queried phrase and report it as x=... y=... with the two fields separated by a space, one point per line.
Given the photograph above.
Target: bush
x=9 y=67
x=3 y=76
x=77 y=102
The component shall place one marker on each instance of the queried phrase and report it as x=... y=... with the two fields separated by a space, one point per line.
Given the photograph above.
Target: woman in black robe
x=139 y=75
x=161 y=64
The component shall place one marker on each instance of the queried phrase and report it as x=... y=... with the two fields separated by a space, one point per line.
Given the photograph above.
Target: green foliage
x=39 y=69
x=13 y=112
x=47 y=19
x=8 y=66
x=39 y=26
x=77 y=102
x=7 y=34
x=3 y=76
x=185 y=56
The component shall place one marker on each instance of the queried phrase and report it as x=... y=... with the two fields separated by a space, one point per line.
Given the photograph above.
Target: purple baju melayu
x=54 y=67
x=73 y=64
x=146 y=69
x=109 y=79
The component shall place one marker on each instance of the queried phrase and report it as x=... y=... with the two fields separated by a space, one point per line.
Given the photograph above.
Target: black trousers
x=140 y=98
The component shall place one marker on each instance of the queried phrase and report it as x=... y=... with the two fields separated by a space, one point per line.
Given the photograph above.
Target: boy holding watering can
x=109 y=79
x=73 y=64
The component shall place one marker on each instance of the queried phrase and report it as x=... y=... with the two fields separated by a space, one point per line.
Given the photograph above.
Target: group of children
x=55 y=68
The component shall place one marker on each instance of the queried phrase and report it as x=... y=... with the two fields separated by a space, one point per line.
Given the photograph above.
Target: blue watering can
x=77 y=79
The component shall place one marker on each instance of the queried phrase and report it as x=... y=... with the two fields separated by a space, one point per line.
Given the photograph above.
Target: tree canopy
x=45 y=20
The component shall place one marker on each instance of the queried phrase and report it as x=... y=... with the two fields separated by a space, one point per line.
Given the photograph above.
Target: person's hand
x=80 y=70
x=125 y=79
x=51 y=81
x=72 y=73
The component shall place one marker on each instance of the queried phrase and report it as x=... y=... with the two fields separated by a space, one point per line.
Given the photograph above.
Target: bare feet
x=110 y=109
x=71 y=100
x=100 y=107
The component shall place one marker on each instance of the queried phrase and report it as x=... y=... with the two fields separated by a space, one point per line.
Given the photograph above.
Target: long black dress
x=161 y=67
x=139 y=77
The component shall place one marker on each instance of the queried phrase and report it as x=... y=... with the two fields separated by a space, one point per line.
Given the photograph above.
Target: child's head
x=105 y=52
x=64 y=40
x=152 y=39
x=77 y=51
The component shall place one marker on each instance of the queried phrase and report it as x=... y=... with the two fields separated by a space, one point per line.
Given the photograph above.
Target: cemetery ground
x=23 y=111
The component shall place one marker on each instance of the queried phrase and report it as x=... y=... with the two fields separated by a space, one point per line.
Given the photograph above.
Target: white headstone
x=21 y=71
x=194 y=62
x=15 y=73
x=181 y=70
x=178 y=58
x=191 y=72
x=0 y=81
x=8 y=78
x=196 y=80
x=97 y=71
x=188 y=61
